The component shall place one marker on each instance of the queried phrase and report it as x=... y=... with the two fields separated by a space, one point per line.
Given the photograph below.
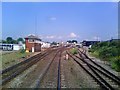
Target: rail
x=96 y=79
x=33 y=60
x=95 y=70
x=109 y=73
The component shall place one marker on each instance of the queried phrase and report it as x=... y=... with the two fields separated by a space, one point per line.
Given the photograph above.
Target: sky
x=60 y=0
x=60 y=21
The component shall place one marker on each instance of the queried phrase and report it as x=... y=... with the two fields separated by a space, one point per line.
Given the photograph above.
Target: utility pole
x=35 y=25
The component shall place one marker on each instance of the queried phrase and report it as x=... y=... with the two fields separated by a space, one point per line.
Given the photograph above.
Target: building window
x=31 y=40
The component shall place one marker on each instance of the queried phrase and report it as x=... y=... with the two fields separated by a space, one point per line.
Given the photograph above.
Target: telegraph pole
x=35 y=25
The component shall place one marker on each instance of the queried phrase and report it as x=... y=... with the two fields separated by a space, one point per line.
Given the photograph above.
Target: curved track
x=15 y=70
x=103 y=77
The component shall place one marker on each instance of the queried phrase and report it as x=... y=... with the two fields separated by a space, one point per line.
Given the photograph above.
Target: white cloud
x=118 y=34
x=53 y=18
x=54 y=37
x=96 y=38
x=73 y=35
x=41 y=36
x=60 y=37
x=50 y=37
x=87 y=39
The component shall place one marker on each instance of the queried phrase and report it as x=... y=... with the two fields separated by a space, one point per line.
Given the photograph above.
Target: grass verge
x=13 y=58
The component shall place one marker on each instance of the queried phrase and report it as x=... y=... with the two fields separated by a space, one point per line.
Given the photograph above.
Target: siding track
x=13 y=71
x=55 y=62
x=103 y=77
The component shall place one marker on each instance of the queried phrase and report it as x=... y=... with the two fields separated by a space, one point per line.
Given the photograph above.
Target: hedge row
x=108 y=51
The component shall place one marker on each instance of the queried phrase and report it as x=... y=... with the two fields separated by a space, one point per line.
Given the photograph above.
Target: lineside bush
x=74 y=51
x=22 y=51
x=115 y=63
x=109 y=51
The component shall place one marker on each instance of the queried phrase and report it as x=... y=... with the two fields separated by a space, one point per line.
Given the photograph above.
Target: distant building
x=32 y=43
x=11 y=47
x=78 y=45
x=72 y=42
x=88 y=43
x=114 y=40
x=44 y=44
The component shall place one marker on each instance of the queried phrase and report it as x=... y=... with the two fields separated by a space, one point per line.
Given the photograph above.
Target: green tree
x=102 y=44
x=9 y=40
x=113 y=43
x=74 y=41
x=4 y=41
x=20 y=39
x=54 y=43
x=115 y=63
x=14 y=42
x=69 y=41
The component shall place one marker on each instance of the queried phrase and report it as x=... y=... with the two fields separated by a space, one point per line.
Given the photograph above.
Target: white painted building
x=10 y=47
x=45 y=44
x=18 y=46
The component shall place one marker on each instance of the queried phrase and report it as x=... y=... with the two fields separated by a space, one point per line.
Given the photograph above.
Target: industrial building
x=32 y=43
x=88 y=43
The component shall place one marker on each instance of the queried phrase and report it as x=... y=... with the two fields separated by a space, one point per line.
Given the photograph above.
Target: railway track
x=110 y=75
x=59 y=73
x=13 y=71
x=103 y=77
x=41 y=78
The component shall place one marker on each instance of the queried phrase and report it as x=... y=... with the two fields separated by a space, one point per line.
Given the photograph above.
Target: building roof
x=112 y=40
x=90 y=41
x=32 y=37
x=115 y=39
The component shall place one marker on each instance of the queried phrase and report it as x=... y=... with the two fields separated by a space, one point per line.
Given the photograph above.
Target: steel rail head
x=59 y=70
x=107 y=75
x=23 y=62
x=16 y=65
x=59 y=77
x=91 y=67
x=37 y=86
x=4 y=81
x=101 y=84
x=117 y=78
x=103 y=80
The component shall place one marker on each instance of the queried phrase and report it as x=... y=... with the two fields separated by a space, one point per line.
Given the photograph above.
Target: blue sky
x=60 y=21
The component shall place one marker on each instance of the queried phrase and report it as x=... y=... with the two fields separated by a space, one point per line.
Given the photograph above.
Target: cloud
x=50 y=37
x=54 y=37
x=96 y=38
x=60 y=37
x=41 y=36
x=118 y=34
x=87 y=39
x=73 y=35
x=52 y=18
